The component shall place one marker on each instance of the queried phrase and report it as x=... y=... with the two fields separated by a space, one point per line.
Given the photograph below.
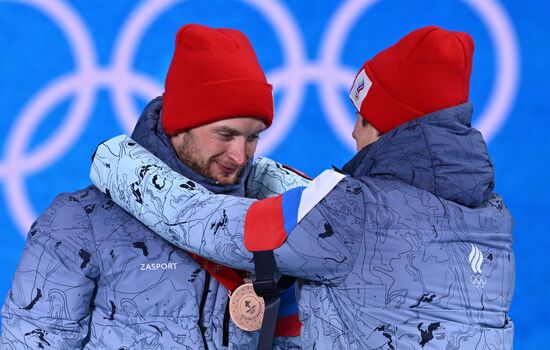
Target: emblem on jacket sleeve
x=476 y=260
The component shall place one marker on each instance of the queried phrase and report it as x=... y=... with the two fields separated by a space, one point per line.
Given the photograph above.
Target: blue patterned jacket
x=412 y=250
x=91 y=276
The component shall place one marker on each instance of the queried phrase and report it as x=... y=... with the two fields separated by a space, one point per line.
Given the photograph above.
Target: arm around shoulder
x=222 y=228
x=269 y=178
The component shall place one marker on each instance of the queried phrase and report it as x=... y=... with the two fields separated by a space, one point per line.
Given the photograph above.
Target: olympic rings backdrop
x=73 y=73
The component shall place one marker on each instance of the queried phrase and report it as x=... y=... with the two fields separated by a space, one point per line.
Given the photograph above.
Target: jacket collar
x=439 y=152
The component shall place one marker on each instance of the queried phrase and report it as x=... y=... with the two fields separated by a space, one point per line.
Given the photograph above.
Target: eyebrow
x=234 y=132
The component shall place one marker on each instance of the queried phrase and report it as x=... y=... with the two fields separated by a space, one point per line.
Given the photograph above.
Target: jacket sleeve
x=212 y=225
x=48 y=305
x=269 y=178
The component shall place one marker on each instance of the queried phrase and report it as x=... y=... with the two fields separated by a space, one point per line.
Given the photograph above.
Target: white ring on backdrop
x=507 y=71
x=293 y=77
x=331 y=49
x=506 y=76
x=84 y=55
x=15 y=191
x=126 y=45
x=288 y=78
x=56 y=92
x=16 y=165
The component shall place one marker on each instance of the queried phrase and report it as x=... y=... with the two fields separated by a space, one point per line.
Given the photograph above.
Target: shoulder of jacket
x=85 y=196
x=68 y=211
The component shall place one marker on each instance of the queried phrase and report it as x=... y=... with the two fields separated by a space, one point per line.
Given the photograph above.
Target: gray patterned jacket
x=413 y=250
x=93 y=277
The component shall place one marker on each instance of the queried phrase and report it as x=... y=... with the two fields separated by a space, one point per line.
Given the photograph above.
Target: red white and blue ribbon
x=270 y=221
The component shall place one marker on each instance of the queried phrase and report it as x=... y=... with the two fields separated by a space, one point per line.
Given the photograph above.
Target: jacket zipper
x=225 y=339
x=201 y=308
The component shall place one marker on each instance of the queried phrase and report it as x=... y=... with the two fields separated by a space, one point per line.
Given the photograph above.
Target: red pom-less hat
x=427 y=70
x=214 y=75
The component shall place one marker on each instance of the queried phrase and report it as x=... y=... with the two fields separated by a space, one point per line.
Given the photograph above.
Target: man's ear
x=372 y=129
x=176 y=139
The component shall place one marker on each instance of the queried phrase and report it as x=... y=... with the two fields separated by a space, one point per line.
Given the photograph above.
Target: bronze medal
x=246 y=308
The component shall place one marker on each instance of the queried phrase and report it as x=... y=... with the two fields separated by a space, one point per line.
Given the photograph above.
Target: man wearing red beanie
x=93 y=277
x=410 y=249
x=427 y=71
x=216 y=101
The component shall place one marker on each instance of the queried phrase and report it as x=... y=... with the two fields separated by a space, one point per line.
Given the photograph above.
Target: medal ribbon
x=230 y=278
x=288 y=322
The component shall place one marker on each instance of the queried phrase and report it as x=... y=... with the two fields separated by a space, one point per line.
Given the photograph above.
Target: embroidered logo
x=360 y=88
x=476 y=260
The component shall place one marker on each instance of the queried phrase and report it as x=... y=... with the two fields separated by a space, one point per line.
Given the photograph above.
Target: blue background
x=35 y=55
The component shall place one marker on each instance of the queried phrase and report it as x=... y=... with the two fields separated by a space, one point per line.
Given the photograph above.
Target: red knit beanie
x=427 y=70
x=214 y=75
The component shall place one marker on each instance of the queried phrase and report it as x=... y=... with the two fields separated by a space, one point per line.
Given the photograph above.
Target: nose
x=237 y=152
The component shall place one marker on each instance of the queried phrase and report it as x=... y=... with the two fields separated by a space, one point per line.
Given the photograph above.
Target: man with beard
x=93 y=277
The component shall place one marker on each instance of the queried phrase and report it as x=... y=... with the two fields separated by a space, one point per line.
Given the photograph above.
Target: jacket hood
x=149 y=134
x=440 y=152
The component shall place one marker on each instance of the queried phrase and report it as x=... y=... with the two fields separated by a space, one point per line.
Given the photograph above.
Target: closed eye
x=225 y=136
x=253 y=137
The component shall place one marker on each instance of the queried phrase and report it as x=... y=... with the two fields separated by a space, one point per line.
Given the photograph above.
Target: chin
x=226 y=179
